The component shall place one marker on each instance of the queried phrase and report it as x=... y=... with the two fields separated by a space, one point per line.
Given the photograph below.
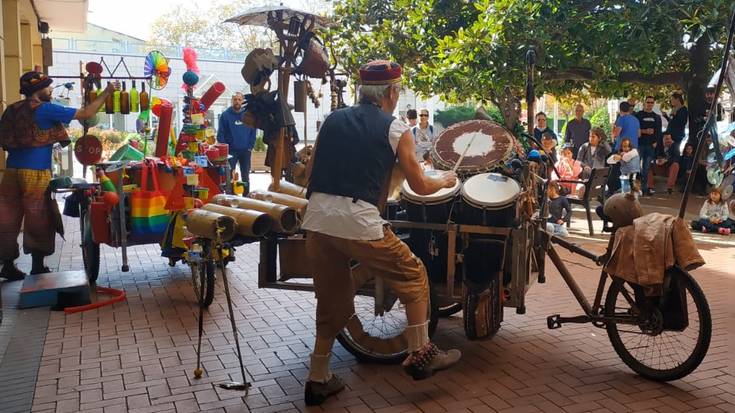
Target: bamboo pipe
x=249 y=223
x=299 y=204
x=205 y=224
x=288 y=188
x=285 y=219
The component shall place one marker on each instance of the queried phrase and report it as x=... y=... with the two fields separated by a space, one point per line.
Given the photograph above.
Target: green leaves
x=475 y=50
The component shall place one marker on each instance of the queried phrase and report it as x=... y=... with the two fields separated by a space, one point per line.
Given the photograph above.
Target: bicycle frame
x=592 y=312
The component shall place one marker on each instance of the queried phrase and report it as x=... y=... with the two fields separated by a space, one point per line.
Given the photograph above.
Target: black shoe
x=424 y=363
x=11 y=273
x=650 y=192
x=670 y=191
x=316 y=393
x=42 y=270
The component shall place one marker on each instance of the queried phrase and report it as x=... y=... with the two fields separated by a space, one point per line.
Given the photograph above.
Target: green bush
x=454 y=114
x=260 y=146
x=602 y=119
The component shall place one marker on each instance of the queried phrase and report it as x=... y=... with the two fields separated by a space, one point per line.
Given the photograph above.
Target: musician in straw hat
x=353 y=158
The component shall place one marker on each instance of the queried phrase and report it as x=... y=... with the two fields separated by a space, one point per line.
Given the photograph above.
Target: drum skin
x=490 y=145
x=489 y=199
x=435 y=208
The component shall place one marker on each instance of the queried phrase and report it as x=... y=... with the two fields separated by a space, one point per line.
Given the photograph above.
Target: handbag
x=148 y=216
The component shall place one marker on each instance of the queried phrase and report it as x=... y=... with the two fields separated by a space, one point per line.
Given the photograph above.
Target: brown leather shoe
x=316 y=393
x=424 y=363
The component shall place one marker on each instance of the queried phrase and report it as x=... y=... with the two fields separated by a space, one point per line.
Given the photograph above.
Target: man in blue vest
x=349 y=174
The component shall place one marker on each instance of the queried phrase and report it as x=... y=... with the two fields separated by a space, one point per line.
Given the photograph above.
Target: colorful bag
x=148 y=217
x=172 y=243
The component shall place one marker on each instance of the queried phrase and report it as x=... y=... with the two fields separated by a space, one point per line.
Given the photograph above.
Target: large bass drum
x=490 y=199
x=490 y=145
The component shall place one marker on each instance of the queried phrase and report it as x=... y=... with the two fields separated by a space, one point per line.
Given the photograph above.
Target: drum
x=486 y=145
x=489 y=199
x=436 y=208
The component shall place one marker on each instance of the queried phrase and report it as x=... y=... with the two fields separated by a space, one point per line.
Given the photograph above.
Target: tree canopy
x=475 y=50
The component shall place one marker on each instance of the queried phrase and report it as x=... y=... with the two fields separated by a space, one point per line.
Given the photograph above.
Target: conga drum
x=485 y=145
x=490 y=199
x=439 y=207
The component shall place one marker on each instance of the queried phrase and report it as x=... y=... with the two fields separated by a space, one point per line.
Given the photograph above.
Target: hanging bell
x=299 y=95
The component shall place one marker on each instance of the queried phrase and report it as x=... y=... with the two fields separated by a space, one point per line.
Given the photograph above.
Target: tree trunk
x=699 y=75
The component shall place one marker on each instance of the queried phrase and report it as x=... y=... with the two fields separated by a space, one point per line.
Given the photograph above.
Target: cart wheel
x=375 y=338
x=90 y=250
x=206 y=270
x=667 y=341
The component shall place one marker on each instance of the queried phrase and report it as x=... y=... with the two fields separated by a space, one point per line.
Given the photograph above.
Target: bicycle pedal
x=553 y=321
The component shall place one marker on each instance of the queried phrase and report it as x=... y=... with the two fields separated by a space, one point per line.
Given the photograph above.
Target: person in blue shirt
x=627 y=126
x=28 y=130
x=239 y=137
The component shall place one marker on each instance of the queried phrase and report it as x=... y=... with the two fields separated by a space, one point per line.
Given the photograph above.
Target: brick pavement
x=139 y=355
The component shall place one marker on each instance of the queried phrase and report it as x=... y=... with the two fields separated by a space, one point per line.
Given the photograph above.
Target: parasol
x=259 y=16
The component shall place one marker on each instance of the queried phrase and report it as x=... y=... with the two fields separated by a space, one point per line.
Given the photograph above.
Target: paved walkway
x=139 y=355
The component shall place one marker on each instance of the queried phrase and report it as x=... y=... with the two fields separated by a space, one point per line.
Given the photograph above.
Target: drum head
x=490 y=190
x=489 y=145
x=438 y=197
x=715 y=175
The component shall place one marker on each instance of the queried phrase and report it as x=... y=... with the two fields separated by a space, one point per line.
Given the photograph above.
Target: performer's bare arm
x=420 y=183
x=91 y=109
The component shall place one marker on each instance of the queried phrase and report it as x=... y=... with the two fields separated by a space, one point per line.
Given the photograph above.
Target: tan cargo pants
x=389 y=257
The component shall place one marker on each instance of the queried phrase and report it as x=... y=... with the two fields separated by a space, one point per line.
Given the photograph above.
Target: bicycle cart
x=113 y=225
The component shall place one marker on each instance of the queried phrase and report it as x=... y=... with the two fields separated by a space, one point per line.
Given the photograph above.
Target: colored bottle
x=107 y=184
x=91 y=96
x=143 y=98
x=124 y=100
x=134 y=102
x=116 y=98
x=110 y=103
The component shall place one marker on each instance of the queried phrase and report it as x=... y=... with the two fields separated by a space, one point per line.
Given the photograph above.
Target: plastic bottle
x=134 y=102
x=110 y=103
x=107 y=184
x=124 y=100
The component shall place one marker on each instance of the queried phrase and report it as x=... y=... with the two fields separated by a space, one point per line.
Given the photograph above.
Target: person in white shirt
x=353 y=158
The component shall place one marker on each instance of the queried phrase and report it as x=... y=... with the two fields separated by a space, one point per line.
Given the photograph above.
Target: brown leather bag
x=315 y=59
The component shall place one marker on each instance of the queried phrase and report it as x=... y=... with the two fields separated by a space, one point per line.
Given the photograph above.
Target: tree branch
x=580 y=73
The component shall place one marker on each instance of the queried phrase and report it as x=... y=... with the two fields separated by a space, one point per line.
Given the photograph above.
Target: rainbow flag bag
x=148 y=217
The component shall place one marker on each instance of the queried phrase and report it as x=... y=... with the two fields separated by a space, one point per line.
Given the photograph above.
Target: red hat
x=380 y=72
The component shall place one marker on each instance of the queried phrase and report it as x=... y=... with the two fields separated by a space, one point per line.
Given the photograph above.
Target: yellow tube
x=249 y=223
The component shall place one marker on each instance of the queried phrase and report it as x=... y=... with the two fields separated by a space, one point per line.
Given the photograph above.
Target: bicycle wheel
x=198 y=270
x=378 y=338
x=90 y=250
x=648 y=347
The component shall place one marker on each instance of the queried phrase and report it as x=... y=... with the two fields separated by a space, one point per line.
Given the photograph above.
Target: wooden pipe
x=285 y=219
x=205 y=224
x=249 y=223
x=299 y=204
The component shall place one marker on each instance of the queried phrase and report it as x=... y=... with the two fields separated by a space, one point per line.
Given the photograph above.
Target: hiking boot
x=316 y=393
x=429 y=359
x=11 y=273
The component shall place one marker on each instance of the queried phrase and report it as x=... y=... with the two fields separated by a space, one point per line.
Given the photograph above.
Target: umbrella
x=258 y=16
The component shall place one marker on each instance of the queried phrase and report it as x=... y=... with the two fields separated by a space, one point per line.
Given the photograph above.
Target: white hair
x=375 y=93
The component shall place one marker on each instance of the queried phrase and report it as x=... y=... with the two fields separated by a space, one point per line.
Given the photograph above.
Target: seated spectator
x=592 y=154
x=666 y=163
x=630 y=163
x=699 y=166
x=713 y=217
x=568 y=169
x=427 y=165
x=548 y=144
x=559 y=210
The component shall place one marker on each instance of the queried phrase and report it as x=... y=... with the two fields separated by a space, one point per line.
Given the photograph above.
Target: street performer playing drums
x=349 y=175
